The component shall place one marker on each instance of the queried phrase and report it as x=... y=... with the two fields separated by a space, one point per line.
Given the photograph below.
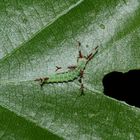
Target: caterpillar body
x=73 y=73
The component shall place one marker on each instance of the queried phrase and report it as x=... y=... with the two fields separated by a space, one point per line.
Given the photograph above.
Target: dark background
x=123 y=86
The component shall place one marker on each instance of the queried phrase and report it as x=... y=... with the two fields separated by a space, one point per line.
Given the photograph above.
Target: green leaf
x=36 y=36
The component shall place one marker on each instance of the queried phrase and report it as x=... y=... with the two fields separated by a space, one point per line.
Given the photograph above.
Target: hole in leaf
x=123 y=86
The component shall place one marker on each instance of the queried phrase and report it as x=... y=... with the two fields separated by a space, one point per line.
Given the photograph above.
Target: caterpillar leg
x=72 y=67
x=80 y=53
x=91 y=55
x=58 y=68
x=81 y=87
x=42 y=81
x=81 y=82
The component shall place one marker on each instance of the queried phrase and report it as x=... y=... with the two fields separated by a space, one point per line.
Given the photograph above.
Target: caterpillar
x=73 y=73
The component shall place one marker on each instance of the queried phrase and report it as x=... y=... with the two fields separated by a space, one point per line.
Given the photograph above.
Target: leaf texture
x=35 y=37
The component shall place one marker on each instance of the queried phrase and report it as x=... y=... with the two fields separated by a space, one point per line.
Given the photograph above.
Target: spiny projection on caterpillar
x=74 y=72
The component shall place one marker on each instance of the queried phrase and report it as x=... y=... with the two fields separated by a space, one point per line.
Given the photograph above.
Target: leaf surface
x=35 y=37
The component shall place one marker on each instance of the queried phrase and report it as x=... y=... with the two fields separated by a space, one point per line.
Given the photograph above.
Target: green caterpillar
x=73 y=73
